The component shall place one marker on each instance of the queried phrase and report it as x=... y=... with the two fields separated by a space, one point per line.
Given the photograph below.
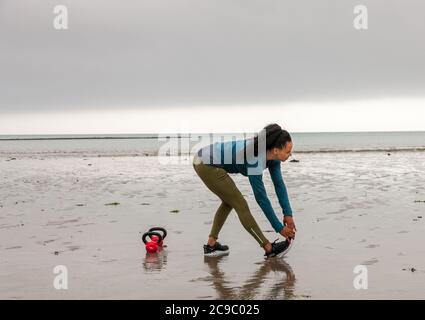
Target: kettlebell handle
x=164 y=232
x=150 y=234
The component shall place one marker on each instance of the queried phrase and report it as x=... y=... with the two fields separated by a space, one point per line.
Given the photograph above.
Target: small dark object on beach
x=112 y=204
x=80 y=205
x=412 y=269
x=174 y=211
x=420 y=217
x=56 y=253
x=389 y=154
x=415 y=219
x=89 y=164
x=420 y=201
x=294 y=160
x=145 y=204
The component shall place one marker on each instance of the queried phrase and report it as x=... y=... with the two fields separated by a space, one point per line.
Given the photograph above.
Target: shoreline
x=155 y=154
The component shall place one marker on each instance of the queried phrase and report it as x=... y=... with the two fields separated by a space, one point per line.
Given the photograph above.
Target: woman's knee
x=240 y=205
x=225 y=205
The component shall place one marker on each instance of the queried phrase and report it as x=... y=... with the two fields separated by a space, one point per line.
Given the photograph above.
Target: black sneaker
x=217 y=250
x=279 y=249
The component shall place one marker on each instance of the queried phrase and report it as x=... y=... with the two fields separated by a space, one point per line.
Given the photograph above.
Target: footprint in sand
x=370 y=262
x=110 y=260
x=15 y=247
x=371 y=246
x=61 y=222
x=45 y=242
x=73 y=248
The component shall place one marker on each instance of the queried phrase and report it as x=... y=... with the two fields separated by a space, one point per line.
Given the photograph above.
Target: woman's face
x=282 y=154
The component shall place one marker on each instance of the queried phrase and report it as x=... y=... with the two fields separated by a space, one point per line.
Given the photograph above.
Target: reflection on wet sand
x=50 y=207
x=155 y=261
x=282 y=289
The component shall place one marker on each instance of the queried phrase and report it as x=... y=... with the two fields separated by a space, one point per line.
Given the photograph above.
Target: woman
x=250 y=157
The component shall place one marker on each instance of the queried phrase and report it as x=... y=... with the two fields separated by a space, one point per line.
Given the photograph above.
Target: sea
x=187 y=144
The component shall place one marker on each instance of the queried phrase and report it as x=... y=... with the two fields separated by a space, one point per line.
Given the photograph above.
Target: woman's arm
x=263 y=201
x=280 y=188
x=282 y=194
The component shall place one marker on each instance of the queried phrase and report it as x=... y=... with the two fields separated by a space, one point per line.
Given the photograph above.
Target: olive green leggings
x=220 y=183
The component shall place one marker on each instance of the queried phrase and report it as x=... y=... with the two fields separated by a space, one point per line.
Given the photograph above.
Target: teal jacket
x=230 y=156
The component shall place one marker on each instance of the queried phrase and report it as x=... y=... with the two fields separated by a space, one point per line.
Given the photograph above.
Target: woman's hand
x=289 y=224
x=288 y=233
x=289 y=221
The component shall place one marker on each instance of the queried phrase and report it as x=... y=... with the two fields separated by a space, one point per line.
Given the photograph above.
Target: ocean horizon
x=149 y=144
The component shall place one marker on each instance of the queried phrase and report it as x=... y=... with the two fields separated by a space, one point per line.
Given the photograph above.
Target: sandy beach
x=88 y=214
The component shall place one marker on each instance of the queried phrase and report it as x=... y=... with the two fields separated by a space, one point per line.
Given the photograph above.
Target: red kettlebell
x=155 y=238
x=152 y=245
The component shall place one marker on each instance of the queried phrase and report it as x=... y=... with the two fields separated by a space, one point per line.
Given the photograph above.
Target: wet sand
x=350 y=209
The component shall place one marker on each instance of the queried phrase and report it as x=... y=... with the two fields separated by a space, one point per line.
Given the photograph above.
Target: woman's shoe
x=279 y=249
x=216 y=250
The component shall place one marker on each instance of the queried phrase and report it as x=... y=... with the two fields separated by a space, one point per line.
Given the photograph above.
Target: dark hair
x=276 y=137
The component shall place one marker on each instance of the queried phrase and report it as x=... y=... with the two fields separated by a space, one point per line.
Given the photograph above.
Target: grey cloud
x=157 y=53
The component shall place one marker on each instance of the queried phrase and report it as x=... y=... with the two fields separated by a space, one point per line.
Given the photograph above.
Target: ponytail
x=276 y=137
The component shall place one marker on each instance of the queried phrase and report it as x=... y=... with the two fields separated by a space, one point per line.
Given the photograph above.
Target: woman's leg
x=219 y=219
x=220 y=183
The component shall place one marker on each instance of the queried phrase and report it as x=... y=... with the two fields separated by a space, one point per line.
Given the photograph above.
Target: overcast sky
x=211 y=65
